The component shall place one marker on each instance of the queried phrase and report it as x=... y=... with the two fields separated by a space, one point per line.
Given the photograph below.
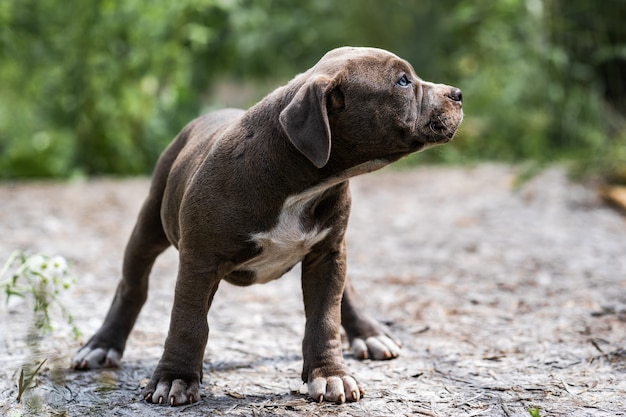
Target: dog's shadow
x=259 y=361
x=259 y=384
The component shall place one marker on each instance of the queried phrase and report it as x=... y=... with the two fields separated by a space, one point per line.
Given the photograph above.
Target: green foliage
x=101 y=87
x=25 y=381
x=528 y=95
x=98 y=89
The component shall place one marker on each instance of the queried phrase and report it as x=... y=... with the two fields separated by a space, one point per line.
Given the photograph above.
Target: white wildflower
x=58 y=268
x=38 y=265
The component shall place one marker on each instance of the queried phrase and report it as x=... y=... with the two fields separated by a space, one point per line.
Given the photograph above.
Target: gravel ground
x=505 y=300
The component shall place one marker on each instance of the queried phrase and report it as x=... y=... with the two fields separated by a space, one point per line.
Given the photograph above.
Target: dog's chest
x=286 y=244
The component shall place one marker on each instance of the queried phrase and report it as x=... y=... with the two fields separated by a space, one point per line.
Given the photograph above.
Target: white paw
x=337 y=389
x=376 y=348
x=93 y=358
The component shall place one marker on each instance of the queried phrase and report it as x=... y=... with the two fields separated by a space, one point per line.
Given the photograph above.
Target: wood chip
x=616 y=196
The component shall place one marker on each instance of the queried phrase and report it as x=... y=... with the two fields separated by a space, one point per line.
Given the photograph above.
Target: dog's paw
x=90 y=357
x=337 y=389
x=171 y=391
x=378 y=348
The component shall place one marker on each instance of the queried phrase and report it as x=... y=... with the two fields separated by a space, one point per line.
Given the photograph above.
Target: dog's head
x=366 y=104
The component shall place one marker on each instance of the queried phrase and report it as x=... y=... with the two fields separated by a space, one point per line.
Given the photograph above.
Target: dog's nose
x=455 y=94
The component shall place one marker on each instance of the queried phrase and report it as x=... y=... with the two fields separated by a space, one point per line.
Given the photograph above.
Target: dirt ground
x=505 y=300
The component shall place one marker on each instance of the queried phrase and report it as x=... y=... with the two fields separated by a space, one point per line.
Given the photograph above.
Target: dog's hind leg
x=368 y=338
x=147 y=241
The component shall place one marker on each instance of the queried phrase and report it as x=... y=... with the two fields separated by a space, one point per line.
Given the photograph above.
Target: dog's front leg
x=176 y=379
x=324 y=371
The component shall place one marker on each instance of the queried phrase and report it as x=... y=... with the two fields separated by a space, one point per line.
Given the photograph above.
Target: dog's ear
x=305 y=120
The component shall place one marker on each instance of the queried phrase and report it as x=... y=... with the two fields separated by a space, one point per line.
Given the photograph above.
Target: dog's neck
x=290 y=168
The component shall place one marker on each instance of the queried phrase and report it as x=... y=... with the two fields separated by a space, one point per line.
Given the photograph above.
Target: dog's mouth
x=440 y=129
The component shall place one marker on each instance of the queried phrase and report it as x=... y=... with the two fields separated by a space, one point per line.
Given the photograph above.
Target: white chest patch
x=287 y=242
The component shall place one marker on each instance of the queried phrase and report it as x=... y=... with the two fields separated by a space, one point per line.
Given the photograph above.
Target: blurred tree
x=592 y=38
x=101 y=87
x=95 y=87
x=533 y=80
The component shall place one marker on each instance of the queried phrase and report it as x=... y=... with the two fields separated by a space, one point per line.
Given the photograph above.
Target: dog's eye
x=403 y=81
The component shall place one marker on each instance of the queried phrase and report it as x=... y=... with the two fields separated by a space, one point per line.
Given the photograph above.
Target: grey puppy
x=246 y=195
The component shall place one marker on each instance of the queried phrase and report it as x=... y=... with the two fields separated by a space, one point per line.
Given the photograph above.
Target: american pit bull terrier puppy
x=246 y=195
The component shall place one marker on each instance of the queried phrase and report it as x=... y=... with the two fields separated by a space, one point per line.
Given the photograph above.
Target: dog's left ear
x=305 y=120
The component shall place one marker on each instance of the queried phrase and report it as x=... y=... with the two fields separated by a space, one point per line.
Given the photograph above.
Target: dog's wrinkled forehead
x=368 y=59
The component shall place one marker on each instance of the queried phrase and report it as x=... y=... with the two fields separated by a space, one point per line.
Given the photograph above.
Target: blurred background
x=100 y=87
